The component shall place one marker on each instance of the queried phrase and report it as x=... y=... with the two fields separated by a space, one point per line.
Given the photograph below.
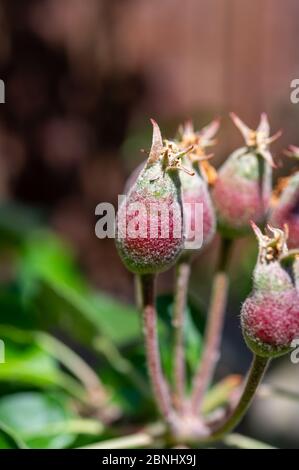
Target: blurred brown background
x=83 y=77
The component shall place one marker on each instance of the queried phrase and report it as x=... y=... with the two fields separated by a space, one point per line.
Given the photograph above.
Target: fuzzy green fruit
x=270 y=315
x=242 y=190
x=150 y=234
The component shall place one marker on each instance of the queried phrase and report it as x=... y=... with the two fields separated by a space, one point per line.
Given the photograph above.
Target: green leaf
x=13 y=311
x=30 y=414
x=243 y=442
x=17 y=223
x=52 y=282
x=9 y=439
x=27 y=364
x=220 y=394
x=193 y=327
x=193 y=340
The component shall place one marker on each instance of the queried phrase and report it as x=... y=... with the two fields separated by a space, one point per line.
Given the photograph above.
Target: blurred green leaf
x=51 y=280
x=193 y=341
x=243 y=442
x=220 y=394
x=30 y=414
x=52 y=295
x=26 y=363
x=193 y=328
x=9 y=439
x=17 y=222
x=13 y=310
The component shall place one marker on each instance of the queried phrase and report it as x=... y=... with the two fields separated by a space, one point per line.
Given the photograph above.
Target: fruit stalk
x=158 y=381
x=181 y=288
x=257 y=369
x=214 y=328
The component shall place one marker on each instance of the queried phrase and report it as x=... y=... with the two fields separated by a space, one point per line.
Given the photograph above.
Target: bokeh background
x=82 y=78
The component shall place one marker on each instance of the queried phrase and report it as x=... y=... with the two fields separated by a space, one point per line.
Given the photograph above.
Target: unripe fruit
x=242 y=190
x=286 y=204
x=270 y=315
x=195 y=192
x=149 y=235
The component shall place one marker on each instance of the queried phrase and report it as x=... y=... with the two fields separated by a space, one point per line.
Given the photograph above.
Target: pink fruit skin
x=238 y=201
x=201 y=195
x=272 y=319
x=148 y=254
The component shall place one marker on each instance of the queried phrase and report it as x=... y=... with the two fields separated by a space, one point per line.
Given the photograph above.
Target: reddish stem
x=181 y=288
x=213 y=333
x=158 y=381
x=254 y=377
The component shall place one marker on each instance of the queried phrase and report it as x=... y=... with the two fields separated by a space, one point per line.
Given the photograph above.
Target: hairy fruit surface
x=242 y=190
x=195 y=192
x=270 y=315
x=149 y=222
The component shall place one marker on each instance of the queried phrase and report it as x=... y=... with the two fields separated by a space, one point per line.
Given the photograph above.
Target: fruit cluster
x=178 y=175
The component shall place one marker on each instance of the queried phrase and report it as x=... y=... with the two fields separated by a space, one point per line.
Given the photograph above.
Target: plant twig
x=13 y=437
x=76 y=365
x=133 y=441
x=220 y=393
x=158 y=381
x=72 y=426
x=213 y=332
x=181 y=289
x=267 y=390
x=120 y=363
x=257 y=369
x=243 y=442
x=148 y=437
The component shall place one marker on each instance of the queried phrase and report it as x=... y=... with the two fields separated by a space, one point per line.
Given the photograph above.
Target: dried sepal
x=282 y=183
x=207 y=134
x=272 y=246
x=264 y=126
x=292 y=151
x=208 y=171
x=201 y=140
x=172 y=156
x=157 y=144
x=259 y=139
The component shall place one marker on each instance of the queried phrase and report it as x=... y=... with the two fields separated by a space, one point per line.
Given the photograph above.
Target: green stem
x=72 y=426
x=151 y=436
x=220 y=394
x=267 y=391
x=120 y=363
x=258 y=367
x=244 y=442
x=181 y=289
x=158 y=381
x=214 y=328
x=74 y=364
x=133 y=441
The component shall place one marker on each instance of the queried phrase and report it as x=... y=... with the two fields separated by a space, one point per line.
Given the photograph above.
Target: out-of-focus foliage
x=82 y=79
x=42 y=377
